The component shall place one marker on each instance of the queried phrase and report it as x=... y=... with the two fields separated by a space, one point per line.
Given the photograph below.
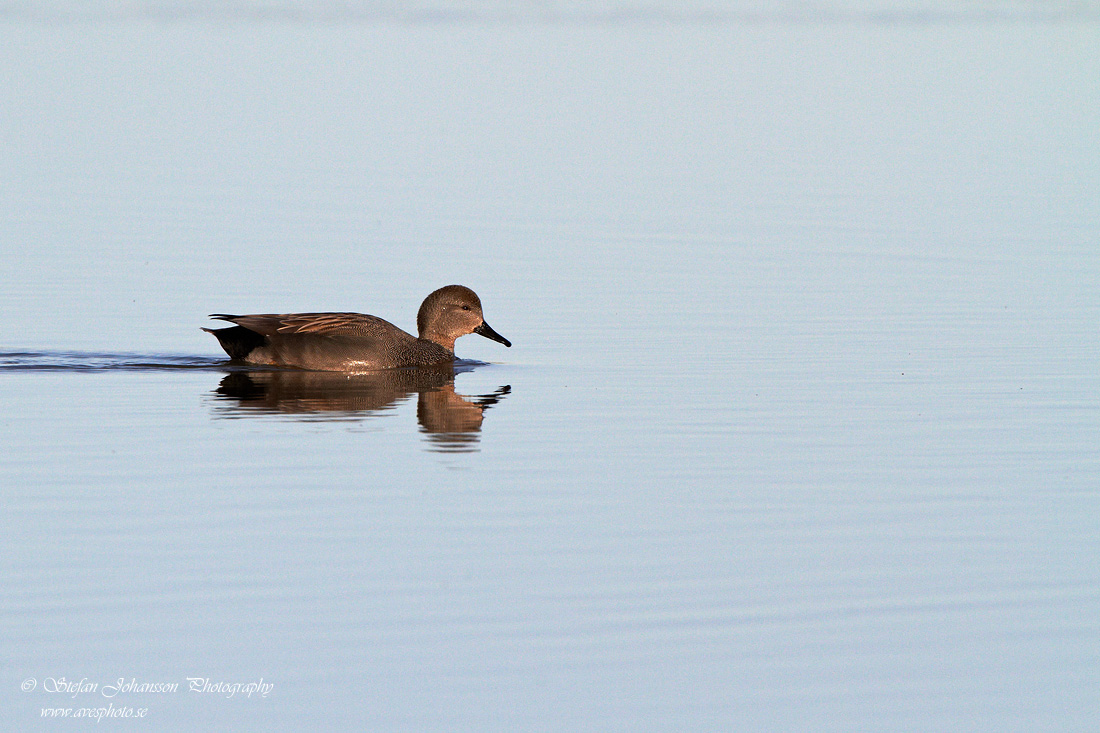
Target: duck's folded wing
x=319 y=324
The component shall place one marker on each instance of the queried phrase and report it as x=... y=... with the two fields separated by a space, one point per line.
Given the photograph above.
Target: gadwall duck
x=355 y=341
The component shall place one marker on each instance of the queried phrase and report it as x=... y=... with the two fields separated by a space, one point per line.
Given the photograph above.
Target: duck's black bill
x=487 y=331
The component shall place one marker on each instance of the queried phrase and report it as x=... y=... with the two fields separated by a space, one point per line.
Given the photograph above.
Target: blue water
x=798 y=430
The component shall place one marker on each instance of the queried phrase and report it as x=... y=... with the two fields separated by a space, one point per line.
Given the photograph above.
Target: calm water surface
x=799 y=429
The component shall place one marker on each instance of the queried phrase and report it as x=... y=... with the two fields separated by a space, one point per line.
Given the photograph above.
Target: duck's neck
x=447 y=342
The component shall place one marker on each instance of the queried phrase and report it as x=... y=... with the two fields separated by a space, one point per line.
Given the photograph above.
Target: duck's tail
x=237 y=341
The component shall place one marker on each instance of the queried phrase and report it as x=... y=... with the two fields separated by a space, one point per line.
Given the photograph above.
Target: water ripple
x=97 y=361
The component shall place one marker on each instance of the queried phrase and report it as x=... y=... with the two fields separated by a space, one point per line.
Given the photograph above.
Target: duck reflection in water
x=449 y=420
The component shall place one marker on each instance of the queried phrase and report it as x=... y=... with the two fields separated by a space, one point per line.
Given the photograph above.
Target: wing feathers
x=320 y=324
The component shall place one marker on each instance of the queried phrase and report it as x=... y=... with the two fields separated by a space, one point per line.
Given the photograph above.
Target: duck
x=351 y=342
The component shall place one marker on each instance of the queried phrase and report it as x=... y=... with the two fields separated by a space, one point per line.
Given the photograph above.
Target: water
x=799 y=427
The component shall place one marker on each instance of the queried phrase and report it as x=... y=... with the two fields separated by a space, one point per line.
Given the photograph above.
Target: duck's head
x=450 y=312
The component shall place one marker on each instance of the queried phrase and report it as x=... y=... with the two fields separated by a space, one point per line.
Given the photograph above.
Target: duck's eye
x=465 y=307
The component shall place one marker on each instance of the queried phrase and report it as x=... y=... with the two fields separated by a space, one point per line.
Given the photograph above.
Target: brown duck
x=348 y=342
